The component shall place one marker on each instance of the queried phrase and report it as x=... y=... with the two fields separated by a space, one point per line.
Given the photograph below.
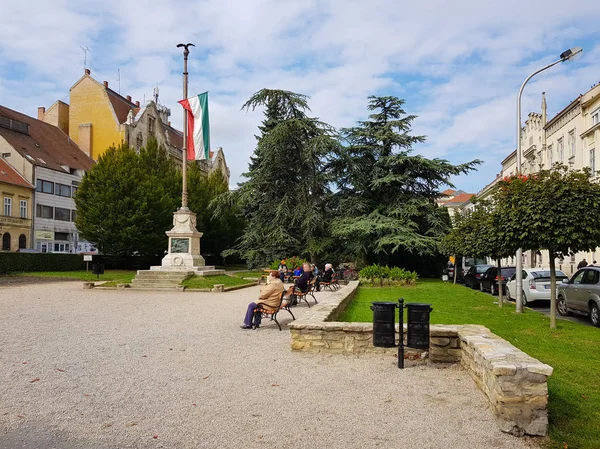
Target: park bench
x=266 y=312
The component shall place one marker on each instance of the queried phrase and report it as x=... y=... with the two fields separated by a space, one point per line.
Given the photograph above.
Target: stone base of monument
x=167 y=278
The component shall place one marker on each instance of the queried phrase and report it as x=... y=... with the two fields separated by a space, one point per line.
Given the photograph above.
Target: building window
x=44 y=186
x=561 y=150
x=593 y=161
x=73 y=215
x=6 y=242
x=63 y=190
x=23 y=204
x=7 y=206
x=139 y=141
x=62 y=214
x=151 y=125
x=572 y=142
x=596 y=117
x=22 y=241
x=550 y=156
x=61 y=236
x=44 y=211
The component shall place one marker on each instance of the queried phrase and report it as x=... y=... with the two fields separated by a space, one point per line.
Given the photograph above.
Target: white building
x=55 y=165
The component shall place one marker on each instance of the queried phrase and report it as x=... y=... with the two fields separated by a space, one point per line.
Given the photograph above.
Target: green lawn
x=573 y=349
x=248 y=274
x=116 y=276
x=210 y=281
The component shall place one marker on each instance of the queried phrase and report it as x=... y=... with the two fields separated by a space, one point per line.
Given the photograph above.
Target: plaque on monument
x=179 y=245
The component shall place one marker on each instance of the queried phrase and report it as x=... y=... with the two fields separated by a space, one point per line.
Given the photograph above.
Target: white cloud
x=458 y=64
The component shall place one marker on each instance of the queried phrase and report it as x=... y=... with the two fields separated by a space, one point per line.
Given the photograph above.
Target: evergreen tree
x=283 y=200
x=385 y=199
x=125 y=203
x=220 y=232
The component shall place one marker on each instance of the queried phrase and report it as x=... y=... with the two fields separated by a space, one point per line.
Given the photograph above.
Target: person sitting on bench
x=269 y=297
x=302 y=282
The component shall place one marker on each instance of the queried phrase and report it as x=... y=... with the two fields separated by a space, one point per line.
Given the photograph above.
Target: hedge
x=19 y=262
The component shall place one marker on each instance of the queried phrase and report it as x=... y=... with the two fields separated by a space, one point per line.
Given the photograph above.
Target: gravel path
x=124 y=369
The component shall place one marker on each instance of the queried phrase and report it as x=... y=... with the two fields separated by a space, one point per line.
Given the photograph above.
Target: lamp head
x=571 y=54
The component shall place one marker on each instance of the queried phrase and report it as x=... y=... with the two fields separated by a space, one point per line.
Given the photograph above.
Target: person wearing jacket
x=270 y=295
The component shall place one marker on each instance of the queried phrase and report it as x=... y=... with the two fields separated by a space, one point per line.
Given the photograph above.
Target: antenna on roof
x=119 y=79
x=156 y=95
x=85 y=52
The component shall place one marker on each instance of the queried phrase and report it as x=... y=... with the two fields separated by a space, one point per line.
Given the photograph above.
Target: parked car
x=489 y=280
x=473 y=275
x=581 y=294
x=536 y=284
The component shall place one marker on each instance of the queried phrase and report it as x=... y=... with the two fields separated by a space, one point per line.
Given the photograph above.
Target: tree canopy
x=385 y=198
x=284 y=197
x=557 y=210
x=126 y=201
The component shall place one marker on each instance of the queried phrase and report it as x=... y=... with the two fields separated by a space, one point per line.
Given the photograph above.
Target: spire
x=544 y=109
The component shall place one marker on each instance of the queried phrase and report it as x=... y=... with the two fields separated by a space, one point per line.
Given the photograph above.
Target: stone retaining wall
x=514 y=383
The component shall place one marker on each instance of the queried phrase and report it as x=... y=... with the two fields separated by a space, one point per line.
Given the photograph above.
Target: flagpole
x=184 y=194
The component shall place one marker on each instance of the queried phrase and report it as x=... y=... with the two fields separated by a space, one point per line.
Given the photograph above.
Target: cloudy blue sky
x=458 y=64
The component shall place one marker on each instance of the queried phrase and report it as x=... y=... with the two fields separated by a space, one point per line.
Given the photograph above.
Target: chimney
x=105 y=83
x=87 y=71
x=41 y=112
x=128 y=98
x=137 y=103
x=169 y=123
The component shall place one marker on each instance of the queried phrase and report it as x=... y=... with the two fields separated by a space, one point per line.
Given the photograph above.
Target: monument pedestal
x=184 y=247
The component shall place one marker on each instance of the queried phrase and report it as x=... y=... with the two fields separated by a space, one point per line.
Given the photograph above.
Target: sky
x=458 y=64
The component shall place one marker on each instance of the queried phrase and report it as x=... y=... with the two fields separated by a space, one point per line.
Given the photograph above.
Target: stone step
x=156 y=287
x=147 y=273
x=155 y=282
x=156 y=278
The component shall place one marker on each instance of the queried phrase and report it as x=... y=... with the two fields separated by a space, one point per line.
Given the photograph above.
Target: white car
x=536 y=284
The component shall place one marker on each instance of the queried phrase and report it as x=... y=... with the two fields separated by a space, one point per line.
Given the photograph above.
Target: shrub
x=17 y=262
x=387 y=275
x=291 y=262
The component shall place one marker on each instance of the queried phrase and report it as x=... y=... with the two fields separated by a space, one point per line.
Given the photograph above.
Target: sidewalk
x=127 y=369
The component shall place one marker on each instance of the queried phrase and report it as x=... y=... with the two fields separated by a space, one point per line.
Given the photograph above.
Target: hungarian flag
x=198 y=131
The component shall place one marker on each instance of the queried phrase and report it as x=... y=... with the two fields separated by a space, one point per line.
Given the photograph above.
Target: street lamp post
x=567 y=55
x=184 y=194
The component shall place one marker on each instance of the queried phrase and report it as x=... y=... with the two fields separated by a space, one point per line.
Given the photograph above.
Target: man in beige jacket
x=269 y=297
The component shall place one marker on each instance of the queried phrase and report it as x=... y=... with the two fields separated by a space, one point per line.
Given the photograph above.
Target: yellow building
x=95 y=117
x=15 y=216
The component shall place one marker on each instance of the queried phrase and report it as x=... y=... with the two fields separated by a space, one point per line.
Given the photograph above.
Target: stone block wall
x=514 y=383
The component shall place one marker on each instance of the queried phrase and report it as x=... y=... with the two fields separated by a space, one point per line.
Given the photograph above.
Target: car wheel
x=493 y=289
x=508 y=297
x=481 y=286
x=561 y=306
x=595 y=315
x=524 y=300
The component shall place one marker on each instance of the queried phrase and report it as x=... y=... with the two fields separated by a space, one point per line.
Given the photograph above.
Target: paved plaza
x=107 y=369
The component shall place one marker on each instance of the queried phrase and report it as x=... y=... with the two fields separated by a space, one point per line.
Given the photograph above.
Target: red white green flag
x=198 y=132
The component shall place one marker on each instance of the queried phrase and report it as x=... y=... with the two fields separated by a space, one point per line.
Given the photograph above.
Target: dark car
x=489 y=280
x=581 y=294
x=473 y=275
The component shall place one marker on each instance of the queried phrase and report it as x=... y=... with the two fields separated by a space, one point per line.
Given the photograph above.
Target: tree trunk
x=500 y=294
x=552 y=290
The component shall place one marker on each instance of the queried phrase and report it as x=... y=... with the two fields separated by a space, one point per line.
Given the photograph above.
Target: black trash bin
x=97 y=264
x=384 y=325
x=418 y=325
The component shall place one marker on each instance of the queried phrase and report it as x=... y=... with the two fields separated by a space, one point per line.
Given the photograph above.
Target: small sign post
x=87 y=258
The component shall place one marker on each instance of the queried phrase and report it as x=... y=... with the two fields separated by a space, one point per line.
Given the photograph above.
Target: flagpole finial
x=186 y=48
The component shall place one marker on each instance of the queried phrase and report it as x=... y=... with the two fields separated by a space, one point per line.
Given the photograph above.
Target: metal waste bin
x=98 y=268
x=418 y=325
x=384 y=324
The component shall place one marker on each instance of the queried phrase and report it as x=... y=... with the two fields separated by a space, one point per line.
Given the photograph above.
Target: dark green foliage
x=220 y=231
x=557 y=210
x=387 y=275
x=385 y=201
x=125 y=203
x=20 y=262
x=284 y=197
